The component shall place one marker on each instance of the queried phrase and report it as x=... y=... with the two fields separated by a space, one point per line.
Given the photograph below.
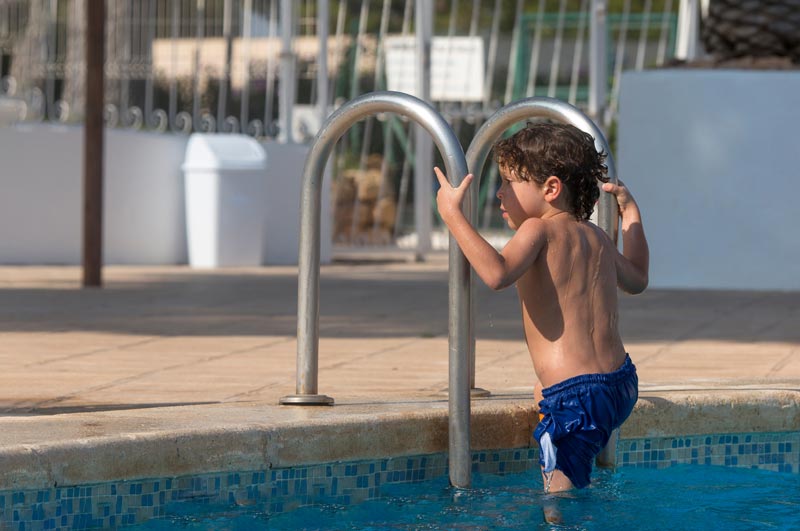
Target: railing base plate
x=477 y=392
x=306 y=400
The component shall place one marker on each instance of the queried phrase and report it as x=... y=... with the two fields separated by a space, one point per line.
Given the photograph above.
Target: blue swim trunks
x=578 y=416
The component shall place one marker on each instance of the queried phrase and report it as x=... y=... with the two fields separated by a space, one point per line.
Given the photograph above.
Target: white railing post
x=287 y=81
x=598 y=61
x=687 y=41
x=322 y=60
x=423 y=148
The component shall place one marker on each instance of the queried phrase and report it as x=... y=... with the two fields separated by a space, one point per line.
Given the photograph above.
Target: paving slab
x=161 y=353
x=175 y=335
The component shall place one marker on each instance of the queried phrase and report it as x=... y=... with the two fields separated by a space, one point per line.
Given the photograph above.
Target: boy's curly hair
x=543 y=149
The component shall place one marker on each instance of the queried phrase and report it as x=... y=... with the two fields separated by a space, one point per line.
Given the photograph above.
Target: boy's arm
x=497 y=270
x=634 y=263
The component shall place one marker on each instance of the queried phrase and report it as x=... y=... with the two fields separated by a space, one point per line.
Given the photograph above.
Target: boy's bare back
x=566 y=269
x=568 y=299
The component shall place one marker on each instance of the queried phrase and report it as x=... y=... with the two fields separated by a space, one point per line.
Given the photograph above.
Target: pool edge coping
x=235 y=437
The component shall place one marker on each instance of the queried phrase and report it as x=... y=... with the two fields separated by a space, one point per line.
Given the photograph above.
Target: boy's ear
x=553 y=187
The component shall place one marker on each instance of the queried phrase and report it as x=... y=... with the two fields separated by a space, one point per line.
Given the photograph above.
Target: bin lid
x=209 y=151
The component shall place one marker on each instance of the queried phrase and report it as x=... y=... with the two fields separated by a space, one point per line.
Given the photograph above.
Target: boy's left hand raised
x=448 y=198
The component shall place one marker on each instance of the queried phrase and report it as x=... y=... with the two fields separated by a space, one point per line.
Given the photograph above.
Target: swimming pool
x=765 y=466
x=681 y=497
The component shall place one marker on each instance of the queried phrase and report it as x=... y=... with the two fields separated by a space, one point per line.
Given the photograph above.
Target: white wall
x=144 y=214
x=41 y=178
x=713 y=158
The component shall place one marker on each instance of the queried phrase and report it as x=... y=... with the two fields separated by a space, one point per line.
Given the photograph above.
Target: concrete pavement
x=168 y=371
x=158 y=336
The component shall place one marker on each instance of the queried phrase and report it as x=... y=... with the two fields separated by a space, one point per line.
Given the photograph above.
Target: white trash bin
x=226 y=190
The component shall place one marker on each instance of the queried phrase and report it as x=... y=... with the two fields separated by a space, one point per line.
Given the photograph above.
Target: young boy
x=567 y=271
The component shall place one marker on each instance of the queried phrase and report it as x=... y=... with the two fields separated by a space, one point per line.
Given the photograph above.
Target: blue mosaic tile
x=768 y=451
x=126 y=503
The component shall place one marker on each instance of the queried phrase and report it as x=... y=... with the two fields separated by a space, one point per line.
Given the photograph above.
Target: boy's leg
x=557 y=482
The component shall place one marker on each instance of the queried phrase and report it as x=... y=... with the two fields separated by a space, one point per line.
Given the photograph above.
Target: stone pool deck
x=162 y=353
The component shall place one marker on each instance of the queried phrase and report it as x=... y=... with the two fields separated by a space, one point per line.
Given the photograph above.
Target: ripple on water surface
x=681 y=497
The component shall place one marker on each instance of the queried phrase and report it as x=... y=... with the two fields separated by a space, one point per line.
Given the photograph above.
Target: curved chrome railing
x=309 y=261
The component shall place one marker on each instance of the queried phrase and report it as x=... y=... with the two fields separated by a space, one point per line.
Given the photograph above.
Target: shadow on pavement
x=63 y=410
x=365 y=302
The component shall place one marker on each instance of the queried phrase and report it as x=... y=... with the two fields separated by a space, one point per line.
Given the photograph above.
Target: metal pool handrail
x=459 y=271
x=481 y=145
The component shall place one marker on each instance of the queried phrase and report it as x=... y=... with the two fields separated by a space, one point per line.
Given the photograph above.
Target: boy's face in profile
x=519 y=200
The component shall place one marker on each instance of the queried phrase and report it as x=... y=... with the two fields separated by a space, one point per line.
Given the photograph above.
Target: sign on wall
x=457 y=67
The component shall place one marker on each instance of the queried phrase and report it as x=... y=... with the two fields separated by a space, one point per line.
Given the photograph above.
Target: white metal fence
x=178 y=66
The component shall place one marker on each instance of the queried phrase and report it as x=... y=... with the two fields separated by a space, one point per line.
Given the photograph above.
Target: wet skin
x=566 y=271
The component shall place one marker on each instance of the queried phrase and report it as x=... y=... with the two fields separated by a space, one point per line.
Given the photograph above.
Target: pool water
x=680 y=497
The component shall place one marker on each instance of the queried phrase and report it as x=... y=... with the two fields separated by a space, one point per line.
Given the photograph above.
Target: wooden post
x=93 y=145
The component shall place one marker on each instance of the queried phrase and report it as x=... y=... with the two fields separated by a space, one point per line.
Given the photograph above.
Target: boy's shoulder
x=567 y=230
x=533 y=228
x=555 y=233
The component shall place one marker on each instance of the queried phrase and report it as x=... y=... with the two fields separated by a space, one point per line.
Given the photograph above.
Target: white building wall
x=713 y=159
x=41 y=175
x=144 y=213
